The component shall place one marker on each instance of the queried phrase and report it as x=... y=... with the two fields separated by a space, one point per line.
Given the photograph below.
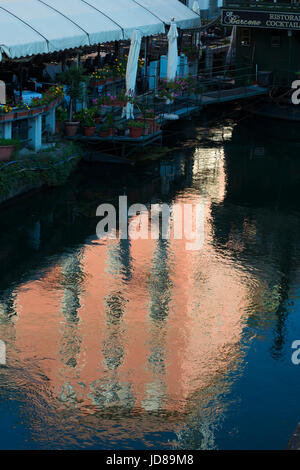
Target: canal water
x=143 y=344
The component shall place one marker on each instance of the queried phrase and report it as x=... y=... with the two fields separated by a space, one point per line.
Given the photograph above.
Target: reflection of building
x=139 y=333
x=140 y=327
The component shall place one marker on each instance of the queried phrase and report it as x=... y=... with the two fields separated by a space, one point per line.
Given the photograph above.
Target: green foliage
x=136 y=124
x=61 y=114
x=74 y=79
x=15 y=142
x=86 y=117
x=110 y=120
x=38 y=170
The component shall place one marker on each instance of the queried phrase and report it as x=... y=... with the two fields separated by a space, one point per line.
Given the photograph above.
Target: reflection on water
x=140 y=343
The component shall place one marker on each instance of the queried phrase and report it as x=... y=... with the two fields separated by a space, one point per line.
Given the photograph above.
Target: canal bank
x=28 y=171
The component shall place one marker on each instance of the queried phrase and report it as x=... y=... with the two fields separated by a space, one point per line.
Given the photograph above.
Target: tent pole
x=145 y=64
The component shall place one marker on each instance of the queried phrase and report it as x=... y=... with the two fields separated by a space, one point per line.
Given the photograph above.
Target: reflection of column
x=160 y=283
x=7 y=305
x=125 y=259
x=159 y=290
x=109 y=390
x=72 y=279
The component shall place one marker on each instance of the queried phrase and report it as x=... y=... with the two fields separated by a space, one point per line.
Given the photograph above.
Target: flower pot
x=7 y=117
x=98 y=120
x=96 y=83
x=22 y=113
x=71 y=128
x=119 y=103
x=108 y=133
x=6 y=152
x=136 y=132
x=35 y=111
x=89 y=131
x=150 y=122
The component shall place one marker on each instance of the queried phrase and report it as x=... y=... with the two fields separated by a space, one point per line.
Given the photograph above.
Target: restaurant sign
x=260 y=19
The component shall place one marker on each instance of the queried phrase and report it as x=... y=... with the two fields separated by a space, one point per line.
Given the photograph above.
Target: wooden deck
x=128 y=145
x=183 y=107
x=233 y=94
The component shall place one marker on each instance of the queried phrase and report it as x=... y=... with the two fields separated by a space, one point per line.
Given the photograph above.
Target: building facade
x=267 y=37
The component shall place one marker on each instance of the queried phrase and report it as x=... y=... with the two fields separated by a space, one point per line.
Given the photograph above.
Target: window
x=245 y=37
x=275 y=41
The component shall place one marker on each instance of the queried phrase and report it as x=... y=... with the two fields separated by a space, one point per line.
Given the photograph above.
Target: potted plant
x=7 y=148
x=105 y=131
x=6 y=112
x=121 y=130
x=60 y=117
x=88 y=124
x=121 y=98
x=95 y=110
x=23 y=109
x=149 y=118
x=136 y=129
x=74 y=79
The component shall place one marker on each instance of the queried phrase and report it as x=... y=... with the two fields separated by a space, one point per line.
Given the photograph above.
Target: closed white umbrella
x=173 y=52
x=196 y=9
x=131 y=71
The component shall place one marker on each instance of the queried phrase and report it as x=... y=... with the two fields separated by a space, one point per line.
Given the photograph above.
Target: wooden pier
x=183 y=107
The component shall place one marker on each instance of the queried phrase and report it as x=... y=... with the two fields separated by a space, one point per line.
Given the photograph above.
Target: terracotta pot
x=136 y=132
x=108 y=133
x=71 y=128
x=23 y=113
x=89 y=131
x=6 y=152
x=119 y=103
x=151 y=122
x=34 y=111
x=98 y=120
x=7 y=116
x=98 y=83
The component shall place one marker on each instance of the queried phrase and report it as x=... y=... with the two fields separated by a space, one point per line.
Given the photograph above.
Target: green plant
x=122 y=96
x=74 y=78
x=61 y=114
x=136 y=124
x=110 y=120
x=88 y=121
x=148 y=114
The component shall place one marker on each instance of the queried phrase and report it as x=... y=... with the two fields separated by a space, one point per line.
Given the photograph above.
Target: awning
x=165 y=10
x=30 y=27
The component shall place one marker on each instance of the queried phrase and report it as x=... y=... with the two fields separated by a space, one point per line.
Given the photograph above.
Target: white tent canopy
x=30 y=27
x=168 y=9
